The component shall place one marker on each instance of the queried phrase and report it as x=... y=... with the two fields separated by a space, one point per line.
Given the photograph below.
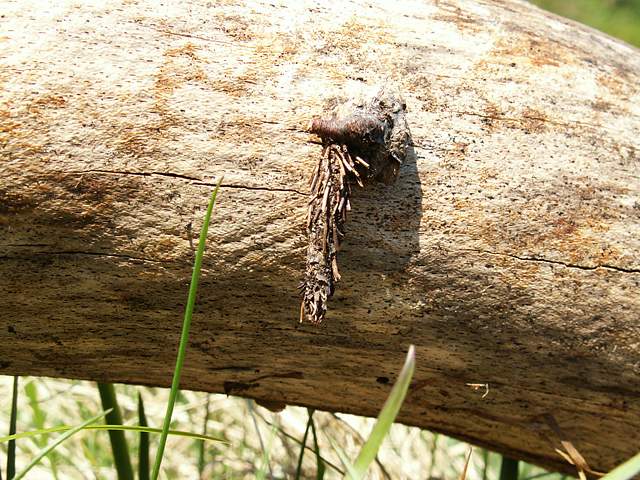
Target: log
x=508 y=251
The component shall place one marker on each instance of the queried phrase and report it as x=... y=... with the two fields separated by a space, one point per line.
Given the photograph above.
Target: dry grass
x=407 y=453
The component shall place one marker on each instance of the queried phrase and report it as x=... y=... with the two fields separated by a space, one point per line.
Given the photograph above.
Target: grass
x=184 y=336
x=11 y=448
x=52 y=446
x=629 y=469
x=508 y=469
x=619 y=18
x=405 y=453
x=108 y=428
x=143 y=446
x=390 y=410
x=118 y=441
x=304 y=442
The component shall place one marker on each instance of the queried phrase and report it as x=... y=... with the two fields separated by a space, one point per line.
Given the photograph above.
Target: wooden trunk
x=508 y=251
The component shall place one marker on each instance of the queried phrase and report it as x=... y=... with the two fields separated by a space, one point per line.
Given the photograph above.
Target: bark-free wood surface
x=508 y=251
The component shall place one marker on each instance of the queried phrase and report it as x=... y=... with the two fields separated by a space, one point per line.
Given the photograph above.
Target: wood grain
x=508 y=251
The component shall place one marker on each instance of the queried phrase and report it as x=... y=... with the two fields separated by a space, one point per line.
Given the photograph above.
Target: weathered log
x=508 y=251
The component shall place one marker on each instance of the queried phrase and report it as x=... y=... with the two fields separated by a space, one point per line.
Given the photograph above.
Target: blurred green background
x=619 y=18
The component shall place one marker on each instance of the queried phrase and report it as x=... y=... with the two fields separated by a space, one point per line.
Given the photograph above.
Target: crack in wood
x=265 y=189
x=555 y=262
x=573 y=124
x=94 y=254
x=195 y=180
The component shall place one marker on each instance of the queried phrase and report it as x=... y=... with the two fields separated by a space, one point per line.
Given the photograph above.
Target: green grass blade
x=383 y=471
x=315 y=450
x=11 y=449
x=39 y=418
x=320 y=468
x=626 y=471
x=352 y=473
x=509 y=469
x=143 y=449
x=184 y=337
x=49 y=448
x=386 y=418
x=261 y=472
x=119 y=445
x=126 y=428
x=302 y=447
x=485 y=463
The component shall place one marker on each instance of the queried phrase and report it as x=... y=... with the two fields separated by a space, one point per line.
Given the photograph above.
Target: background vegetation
x=407 y=453
x=619 y=18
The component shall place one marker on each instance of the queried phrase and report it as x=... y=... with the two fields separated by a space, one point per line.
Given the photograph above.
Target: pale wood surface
x=508 y=252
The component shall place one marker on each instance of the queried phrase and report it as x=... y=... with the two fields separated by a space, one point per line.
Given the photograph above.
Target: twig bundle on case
x=367 y=144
